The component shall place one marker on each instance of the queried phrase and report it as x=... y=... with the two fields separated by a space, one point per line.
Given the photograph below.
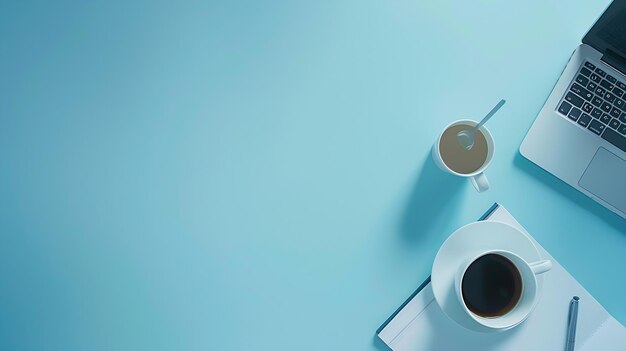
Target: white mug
x=478 y=178
x=529 y=295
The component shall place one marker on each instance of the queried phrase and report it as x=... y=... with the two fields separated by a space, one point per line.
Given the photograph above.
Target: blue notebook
x=419 y=323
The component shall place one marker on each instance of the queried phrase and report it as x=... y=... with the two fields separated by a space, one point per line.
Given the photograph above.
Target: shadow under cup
x=502 y=291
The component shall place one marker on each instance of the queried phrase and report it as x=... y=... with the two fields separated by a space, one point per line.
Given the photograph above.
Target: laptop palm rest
x=605 y=177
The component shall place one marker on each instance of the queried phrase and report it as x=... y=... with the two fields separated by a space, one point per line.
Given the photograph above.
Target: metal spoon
x=466 y=136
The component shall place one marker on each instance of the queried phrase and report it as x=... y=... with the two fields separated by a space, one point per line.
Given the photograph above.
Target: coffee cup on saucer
x=453 y=158
x=465 y=246
x=497 y=288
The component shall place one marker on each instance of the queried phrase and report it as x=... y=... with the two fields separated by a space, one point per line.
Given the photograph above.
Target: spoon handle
x=491 y=113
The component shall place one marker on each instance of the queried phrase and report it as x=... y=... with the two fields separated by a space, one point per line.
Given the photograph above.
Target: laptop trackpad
x=605 y=177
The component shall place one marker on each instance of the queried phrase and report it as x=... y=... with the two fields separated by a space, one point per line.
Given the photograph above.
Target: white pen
x=571 y=324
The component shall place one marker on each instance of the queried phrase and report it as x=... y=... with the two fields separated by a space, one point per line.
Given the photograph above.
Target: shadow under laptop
x=379 y=344
x=433 y=201
x=569 y=192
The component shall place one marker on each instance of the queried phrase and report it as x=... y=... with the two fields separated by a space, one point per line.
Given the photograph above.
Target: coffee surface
x=458 y=158
x=491 y=286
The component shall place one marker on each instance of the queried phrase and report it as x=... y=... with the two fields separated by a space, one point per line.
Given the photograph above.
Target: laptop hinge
x=615 y=60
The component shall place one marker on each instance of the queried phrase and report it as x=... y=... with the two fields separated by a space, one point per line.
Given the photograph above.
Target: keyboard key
x=615 y=112
x=585 y=72
x=596 y=101
x=608 y=86
x=574 y=114
x=605 y=118
x=565 y=107
x=596 y=127
x=600 y=72
x=614 y=123
x=584 y=120
x=586 y=94
x=596 y=113
x=618 y=92
x=615 y=138
x=587 y=107
x=621 y=85
x=622 y=118
x=606 y=107
x=622 y=128
x=590 y=65
x=609 y=97
x=620 y=103
x=600 y=91
x=582 y=80
x=611 y=79
x=596 y=78
x=592 y=86
x=574 y=99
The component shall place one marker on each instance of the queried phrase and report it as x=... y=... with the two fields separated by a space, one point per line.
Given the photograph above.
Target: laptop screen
x=609 y=31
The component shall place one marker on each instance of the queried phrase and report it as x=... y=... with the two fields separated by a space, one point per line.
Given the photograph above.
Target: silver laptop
x=580 y=133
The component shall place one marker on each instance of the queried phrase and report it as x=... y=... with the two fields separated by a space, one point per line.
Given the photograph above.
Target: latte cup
x=528 y=298
x=477 y=177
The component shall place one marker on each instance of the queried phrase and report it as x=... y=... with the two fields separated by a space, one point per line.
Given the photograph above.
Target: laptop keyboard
x=596 y=101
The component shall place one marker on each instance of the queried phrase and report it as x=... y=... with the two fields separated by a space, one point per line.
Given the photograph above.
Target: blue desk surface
x=240 y=175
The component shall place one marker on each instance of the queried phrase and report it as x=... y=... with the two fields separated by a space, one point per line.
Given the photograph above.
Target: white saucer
x=463 y=243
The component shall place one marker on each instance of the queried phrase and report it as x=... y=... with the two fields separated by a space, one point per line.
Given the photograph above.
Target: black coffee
x=491 y=286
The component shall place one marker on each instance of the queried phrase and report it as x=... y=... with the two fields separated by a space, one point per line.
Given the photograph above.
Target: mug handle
x=541 y=266
x=480 y=182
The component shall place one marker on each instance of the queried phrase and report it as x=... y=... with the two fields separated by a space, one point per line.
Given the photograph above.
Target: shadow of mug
x=435 y=197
